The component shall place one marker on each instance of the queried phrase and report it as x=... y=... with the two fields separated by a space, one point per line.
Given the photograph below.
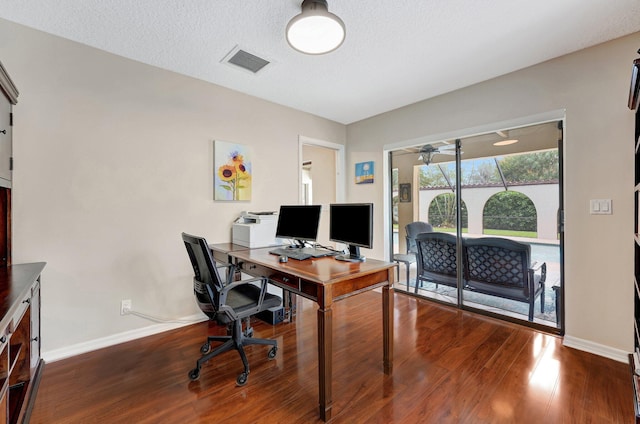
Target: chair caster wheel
x=205 y=348
x=272 y=352
x=194 y=374
x=242 y=379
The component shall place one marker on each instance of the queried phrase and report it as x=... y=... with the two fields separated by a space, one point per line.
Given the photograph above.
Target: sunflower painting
x=232 y=171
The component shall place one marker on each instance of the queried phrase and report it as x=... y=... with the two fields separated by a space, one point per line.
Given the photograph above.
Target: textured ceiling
x=397 y=52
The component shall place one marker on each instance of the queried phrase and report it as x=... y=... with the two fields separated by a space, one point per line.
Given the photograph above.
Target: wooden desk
x=325 y=280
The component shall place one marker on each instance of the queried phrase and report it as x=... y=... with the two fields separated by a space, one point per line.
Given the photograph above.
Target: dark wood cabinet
x=20 y=361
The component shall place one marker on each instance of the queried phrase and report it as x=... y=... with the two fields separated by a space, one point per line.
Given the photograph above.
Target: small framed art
x=405 y=193
x=232 y=173
x=364 y=172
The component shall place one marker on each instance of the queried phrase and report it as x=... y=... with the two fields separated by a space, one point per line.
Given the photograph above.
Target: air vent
x=246 y=60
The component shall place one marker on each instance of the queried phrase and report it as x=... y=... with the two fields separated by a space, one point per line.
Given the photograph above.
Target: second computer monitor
x=352 y=224
x=299 y=223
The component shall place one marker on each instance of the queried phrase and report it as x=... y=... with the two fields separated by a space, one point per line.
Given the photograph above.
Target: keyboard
x=302 y=253
x=291 y=253
x=317 y=253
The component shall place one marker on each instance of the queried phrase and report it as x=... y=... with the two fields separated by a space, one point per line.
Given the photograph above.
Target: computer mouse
x=283 y=259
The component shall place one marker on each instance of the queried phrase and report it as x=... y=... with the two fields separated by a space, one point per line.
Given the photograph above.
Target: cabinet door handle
x=3 y=131
x=35 y=339
x=3 y=339
x=26 y=301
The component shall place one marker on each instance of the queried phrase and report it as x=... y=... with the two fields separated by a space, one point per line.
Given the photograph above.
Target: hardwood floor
x=449 y=367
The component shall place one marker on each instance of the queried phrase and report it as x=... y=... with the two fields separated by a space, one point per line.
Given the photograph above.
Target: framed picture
x=364 y=172
x=405 y=193
x=232 y=173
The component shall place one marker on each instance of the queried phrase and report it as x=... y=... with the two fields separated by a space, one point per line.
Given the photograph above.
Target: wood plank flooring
x=449 y=367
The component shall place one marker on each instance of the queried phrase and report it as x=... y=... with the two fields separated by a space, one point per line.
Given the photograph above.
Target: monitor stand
x=353 y=256
x=297 y=244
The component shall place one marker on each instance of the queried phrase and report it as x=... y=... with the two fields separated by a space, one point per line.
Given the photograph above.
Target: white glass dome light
x=315 y=30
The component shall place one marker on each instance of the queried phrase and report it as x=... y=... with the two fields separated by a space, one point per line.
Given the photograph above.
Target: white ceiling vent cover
x=245 y=60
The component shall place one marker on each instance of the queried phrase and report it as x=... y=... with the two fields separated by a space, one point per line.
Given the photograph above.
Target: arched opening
x=442 y=213
x=510 y=213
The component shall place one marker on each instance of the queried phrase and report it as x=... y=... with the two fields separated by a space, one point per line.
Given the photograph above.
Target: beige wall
x=592 y=85
x=113 y=161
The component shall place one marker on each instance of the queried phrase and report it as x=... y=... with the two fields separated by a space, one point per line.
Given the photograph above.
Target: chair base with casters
x=236 y=341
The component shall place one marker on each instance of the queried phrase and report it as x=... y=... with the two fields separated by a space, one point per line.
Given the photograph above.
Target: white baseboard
x=84 y=347
x=596 y=349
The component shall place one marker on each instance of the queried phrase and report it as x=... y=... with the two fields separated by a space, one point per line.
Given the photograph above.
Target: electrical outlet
x=125 y=306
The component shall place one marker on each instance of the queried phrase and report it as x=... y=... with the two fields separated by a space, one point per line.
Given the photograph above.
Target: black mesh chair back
x=206 y=281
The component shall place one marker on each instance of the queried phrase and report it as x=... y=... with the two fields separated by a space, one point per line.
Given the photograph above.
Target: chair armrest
x=537 y=266
x=231 y=270
x=232 y=285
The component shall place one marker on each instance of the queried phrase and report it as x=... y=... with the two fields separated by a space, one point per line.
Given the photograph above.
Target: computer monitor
x=299 y=223
x=352 y=224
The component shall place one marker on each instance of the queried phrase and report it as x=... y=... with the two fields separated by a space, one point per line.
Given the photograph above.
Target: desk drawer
x=309 y=289
x=285 y=280
x=280 y=278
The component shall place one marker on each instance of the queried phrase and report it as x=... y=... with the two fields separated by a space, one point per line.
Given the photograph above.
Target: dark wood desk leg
x=325 y=357
x=387 y=327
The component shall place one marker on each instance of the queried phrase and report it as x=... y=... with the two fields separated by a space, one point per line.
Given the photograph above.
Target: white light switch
x=600 y=207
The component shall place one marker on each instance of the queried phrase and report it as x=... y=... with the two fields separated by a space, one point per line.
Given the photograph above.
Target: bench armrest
x=540 y=266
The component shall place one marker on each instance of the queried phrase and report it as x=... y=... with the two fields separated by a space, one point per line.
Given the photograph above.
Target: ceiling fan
x=428 y=151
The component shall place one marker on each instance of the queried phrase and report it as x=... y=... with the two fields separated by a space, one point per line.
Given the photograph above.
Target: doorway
x=321 y=178
x=504 y=184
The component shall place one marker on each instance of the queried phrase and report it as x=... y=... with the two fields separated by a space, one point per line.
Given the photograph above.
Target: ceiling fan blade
x=447 y=147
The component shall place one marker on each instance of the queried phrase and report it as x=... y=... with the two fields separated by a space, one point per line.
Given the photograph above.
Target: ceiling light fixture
x=315 y=30
x=505 y=142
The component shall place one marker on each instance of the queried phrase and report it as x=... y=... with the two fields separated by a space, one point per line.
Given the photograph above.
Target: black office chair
x=228 y=304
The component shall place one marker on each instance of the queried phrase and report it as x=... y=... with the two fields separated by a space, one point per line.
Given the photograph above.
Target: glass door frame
x=559 y=116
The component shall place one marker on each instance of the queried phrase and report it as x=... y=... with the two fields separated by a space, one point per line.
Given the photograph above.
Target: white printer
x=255 y=229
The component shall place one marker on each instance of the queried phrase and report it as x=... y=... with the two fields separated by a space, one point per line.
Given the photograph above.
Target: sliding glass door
x=496 y=196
